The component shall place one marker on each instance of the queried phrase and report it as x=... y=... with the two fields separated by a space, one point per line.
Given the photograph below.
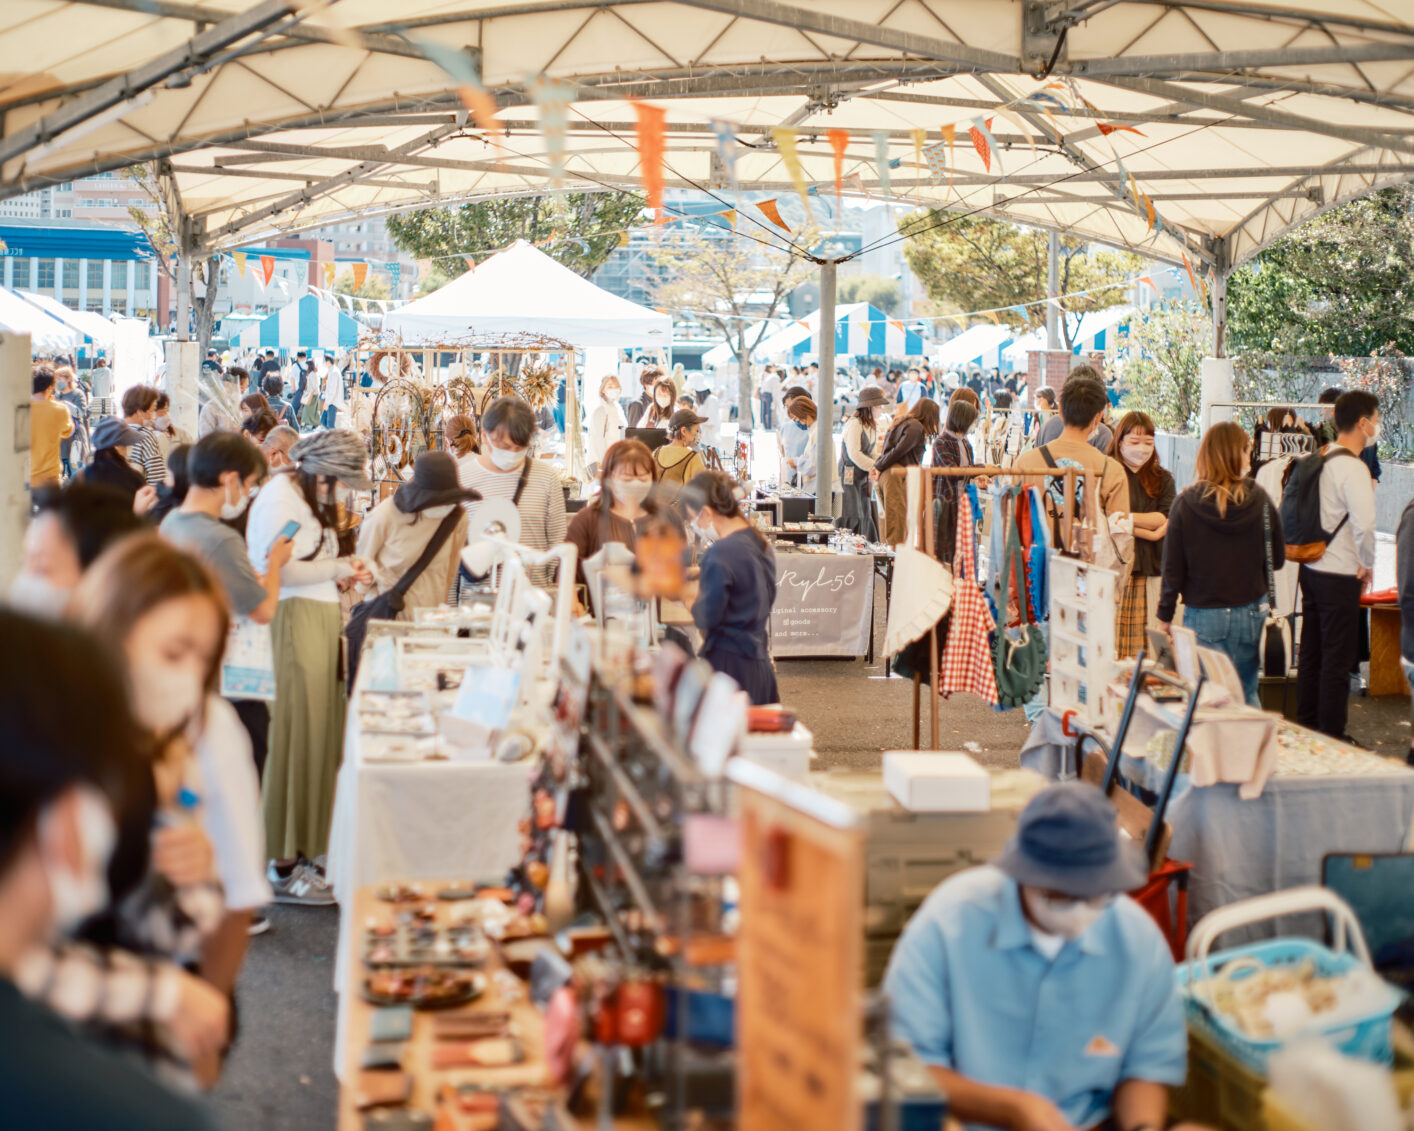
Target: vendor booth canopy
x=96 y=329
x=307 y=323
x=1190 y=127
x=522 y=297
x=977 y=345
x=723 y=355
x=46 y=334
x=1095 y=334
x=861 y=330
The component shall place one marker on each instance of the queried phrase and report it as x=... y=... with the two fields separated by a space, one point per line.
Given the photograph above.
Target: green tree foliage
x=974 y=263
x=584 y=227
x=1159 y=363
x=876 y=290
x=1341 y=284
x=374 y=286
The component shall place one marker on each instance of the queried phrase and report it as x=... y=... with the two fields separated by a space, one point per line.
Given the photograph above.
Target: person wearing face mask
x=623 y=506
x=736 y=586
x=679 y=460
x=73 y=526
x=607 y=421
x=113 y=440
x=395 y=534
x=64 y=776
x=166 y=433
x=660 y=410
x=276 y=448
x=1331 y=585
x=139 y=411
x=505 y=470
x=69 y=392
x=173 y=491
x=1151 y=495
x=307 y=718
x=1221 y=532
x=223 y=469
x=1039 y=995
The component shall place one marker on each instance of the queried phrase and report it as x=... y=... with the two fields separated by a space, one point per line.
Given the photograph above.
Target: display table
x=824 y=605
x=355 y=1012
x=441 y=820
x=1323 y=797
x=1386 y=671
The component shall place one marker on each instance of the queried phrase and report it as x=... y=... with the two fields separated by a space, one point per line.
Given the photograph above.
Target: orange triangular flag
x=839 y=142
x=773 y=213
x=267 y=267
x=649 y=130
x=470 y=263
x=360 y=273
x=979 y=143
x=1106 y=129
x=730 y=215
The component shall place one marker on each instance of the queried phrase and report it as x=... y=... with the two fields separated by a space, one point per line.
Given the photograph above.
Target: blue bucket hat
x=1068 y=840
x=110 y=432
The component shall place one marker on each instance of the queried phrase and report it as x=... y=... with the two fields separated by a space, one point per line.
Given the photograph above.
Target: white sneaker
x=303 y=886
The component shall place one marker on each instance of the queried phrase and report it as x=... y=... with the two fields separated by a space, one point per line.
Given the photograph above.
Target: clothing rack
x=924 y=515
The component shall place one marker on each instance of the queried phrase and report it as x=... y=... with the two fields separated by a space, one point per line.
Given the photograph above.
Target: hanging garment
x=1038 y=560
x=967 y=658
x=1018 y=654
x=922 y=593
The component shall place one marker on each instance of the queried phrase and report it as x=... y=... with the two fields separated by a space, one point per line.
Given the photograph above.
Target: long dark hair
x=1150 y=472
x=657 y=414
x=926 y=413
x=325 y=513
x=865 y=413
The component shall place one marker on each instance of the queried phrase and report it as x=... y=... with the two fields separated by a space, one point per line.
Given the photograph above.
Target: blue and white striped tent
x=861 y=330
x=307 y=323
x=980 y=345
x=1095 y=333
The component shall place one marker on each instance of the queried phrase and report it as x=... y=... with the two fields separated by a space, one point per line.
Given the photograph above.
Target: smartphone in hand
x=289 y=530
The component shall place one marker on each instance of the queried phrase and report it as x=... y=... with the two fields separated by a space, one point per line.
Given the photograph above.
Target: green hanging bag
x=1018 y=654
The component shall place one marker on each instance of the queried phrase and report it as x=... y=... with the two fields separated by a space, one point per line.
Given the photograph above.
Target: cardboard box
x=934 y=781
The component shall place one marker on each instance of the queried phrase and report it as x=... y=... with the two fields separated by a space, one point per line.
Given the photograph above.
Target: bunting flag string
x=772 y=213
x=785 y=140
x=881 y=159
x=936 y=156
x=1107 y=128
x=239 y=258
x=267 y=267
x=470 y=263
x=855 y=183
x=1020 y=123
x=360 y=273
x=986 y=144
x=919 y=137
x=649 y=130
x=839 y=143
x=330 y=270
x=1192 y=278
x=552 y=100
x=725 y=134
x=949 y=137
x=478 y=101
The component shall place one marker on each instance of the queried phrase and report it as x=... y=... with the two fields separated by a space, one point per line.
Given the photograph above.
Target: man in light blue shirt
x=1041 y=997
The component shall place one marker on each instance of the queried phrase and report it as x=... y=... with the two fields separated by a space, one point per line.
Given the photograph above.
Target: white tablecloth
x=425 y=820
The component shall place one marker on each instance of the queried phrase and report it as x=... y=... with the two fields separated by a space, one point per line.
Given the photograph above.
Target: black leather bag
x=386 y=606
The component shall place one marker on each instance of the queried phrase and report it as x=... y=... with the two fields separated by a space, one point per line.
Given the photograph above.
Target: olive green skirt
x=306 y=728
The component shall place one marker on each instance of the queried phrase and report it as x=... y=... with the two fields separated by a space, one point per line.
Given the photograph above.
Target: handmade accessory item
x=1018 y=655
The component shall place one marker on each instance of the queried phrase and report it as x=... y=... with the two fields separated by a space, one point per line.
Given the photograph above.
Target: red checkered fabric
x=967 y=655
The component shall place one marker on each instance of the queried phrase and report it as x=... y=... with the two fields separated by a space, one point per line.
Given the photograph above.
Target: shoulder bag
x=1019 y=659
x=386 y=606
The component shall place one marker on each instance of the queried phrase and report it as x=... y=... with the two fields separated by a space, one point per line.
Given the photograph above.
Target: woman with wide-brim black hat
x=858 y=449
x=394 y=534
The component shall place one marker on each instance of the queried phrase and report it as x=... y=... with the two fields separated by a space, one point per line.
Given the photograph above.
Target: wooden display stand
x=799 y=951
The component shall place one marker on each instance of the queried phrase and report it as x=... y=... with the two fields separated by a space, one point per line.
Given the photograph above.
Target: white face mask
x=162 y=423
x=1136 y=454
x=38 y=596
x=505 y=460
x=705 y=530
x=611 y=394
x=76 y=897
x=230 y=511
x=1064 y=918
x=164 y=698
x=1374 y=436
x=630 y=490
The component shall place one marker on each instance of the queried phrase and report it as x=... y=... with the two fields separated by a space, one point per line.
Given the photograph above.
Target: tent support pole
x=1052 y=292
x=183 y=296
x=574 y=462
x=1220 y=314
x=824 y=421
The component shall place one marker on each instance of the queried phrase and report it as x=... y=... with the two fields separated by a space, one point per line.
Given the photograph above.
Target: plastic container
x=1366 y=1038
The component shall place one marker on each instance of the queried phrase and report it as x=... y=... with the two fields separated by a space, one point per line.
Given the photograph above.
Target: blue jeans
x=1237 y=632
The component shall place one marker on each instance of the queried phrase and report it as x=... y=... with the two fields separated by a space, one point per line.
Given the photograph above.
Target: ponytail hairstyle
x=461 y=435
x=720 y=493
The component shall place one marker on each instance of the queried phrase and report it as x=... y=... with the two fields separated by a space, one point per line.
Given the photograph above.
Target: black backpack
x=1306 y=538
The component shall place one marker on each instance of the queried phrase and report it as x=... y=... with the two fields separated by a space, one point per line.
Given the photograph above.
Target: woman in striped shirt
x=139 y=409
x=504 y=469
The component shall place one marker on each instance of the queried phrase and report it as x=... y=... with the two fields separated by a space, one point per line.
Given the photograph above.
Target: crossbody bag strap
x=1267 y=539
x=430 y=551
x=520 y=483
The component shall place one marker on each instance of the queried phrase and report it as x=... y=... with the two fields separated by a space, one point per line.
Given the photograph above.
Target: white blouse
x=280 y=501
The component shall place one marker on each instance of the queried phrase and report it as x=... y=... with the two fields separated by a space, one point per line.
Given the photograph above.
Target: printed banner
x=823 y=605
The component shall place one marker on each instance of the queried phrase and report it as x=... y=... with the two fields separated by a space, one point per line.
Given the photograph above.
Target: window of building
x=46 y=273
x=63 y=213
x=120 y=303
x=21 y=270
x=142 y=276
x=95 y=274
x=70 y=280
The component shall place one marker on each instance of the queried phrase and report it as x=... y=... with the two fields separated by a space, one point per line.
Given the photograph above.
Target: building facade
x=85 y=265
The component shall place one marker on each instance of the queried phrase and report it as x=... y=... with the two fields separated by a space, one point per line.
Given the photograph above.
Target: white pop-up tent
x=521 y=295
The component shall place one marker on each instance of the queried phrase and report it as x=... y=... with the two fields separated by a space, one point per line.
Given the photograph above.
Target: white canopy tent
x=93 y=326
x=46 y=334
x=977 y=345
x=521 y=295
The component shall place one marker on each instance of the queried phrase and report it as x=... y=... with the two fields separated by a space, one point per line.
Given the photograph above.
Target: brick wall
x=1052 y=367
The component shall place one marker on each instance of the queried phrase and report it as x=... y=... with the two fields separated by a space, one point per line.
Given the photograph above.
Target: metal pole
x=14 y=456
x=1052 y=286
x=1220 y=314
x=824 y=422
x=183 y=297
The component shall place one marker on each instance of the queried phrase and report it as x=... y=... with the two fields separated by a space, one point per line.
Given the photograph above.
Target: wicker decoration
x=500 y=384
x=538 y=384
x=387 y=364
